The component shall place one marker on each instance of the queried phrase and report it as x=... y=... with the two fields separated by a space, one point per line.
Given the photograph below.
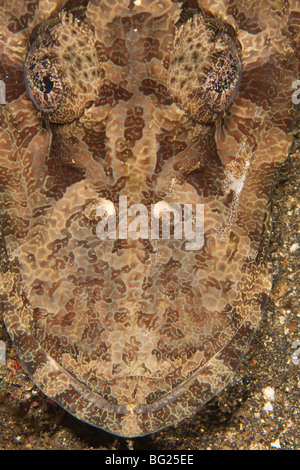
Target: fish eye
x=205 y=68
x=61 y=69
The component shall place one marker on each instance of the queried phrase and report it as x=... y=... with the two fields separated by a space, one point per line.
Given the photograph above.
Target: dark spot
x=195 y=56
x=48 y=84
x=78 y=63
x=82 y=86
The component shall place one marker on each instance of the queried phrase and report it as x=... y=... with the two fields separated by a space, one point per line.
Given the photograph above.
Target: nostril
x=96 y=211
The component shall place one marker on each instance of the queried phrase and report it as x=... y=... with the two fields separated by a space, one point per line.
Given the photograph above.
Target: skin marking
x=128 y=335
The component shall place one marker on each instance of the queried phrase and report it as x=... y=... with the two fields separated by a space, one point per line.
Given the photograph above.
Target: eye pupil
x=44 y=83
x=48 y=84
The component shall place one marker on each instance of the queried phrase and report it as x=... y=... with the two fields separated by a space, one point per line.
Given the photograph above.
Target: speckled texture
x=205 y=68
x=134 y=336
x=61 y=69
x=237 y=418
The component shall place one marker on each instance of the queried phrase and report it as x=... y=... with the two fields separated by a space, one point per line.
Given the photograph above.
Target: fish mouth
x=130 y=396
x=123 y=329
x=126 y=326
x=125 y=307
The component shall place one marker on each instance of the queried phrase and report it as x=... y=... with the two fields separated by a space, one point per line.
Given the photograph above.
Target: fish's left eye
x=205 y=68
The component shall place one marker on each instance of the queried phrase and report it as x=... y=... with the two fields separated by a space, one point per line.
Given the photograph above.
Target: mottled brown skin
x=134 y=335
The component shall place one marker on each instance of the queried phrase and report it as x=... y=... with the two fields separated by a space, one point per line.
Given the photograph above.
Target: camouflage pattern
x=131 y=335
